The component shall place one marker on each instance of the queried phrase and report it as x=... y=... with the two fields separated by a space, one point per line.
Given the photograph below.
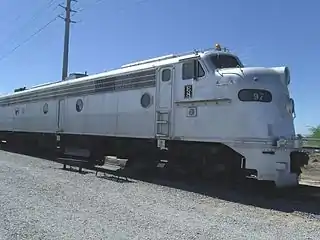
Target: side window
x=188 y=69
x=166 y=75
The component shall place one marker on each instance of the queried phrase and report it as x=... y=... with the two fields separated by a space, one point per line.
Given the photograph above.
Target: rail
x=311 y=144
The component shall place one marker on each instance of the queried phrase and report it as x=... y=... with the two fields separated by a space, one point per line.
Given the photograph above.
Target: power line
x=90 y=5
x=16 y=19
x=28 y=39
x=48 y=5
x=67 y=31
x=33 y=17
x=93 y=3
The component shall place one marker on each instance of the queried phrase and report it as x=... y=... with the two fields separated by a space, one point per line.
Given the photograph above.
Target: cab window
x=225 y=61
x=191 y=69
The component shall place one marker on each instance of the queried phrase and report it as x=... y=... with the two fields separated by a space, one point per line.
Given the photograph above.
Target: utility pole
x=67 y=20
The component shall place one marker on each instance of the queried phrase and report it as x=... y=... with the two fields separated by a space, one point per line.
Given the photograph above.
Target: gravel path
x=38 y=200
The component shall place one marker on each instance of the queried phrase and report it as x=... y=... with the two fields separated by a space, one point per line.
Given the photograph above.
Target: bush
x=314 y=133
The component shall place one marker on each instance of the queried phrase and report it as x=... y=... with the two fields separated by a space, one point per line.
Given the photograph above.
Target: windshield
x=224 y=61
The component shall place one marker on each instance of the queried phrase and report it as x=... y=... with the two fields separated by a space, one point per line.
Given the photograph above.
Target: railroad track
x=305 y=196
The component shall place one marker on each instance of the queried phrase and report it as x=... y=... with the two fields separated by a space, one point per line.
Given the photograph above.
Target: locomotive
x=203 y=111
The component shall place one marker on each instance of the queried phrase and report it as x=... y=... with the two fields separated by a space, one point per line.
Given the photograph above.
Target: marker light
x=290 y=107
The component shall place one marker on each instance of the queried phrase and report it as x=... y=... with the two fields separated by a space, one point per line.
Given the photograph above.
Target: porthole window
x=166 y=75
x=145 y=100
x=45 y=108
x=79 y=105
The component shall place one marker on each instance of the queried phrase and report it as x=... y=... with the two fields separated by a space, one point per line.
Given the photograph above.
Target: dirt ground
x=311 y=172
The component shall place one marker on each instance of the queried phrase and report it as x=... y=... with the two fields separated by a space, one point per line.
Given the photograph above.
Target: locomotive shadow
x=115 y=179
x=74 y=169
x=303 y=198
x=50 y=157
x=30 y=152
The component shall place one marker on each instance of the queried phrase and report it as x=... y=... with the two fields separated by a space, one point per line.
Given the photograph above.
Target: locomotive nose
x=284 y=73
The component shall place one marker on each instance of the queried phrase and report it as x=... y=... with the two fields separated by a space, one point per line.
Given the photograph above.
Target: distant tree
x=315 y=132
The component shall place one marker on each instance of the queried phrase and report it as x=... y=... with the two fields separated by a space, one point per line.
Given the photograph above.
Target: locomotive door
x=61 y=109
x=164 y=101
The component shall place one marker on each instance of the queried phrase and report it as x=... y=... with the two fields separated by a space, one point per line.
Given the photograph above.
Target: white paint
x=248 y=127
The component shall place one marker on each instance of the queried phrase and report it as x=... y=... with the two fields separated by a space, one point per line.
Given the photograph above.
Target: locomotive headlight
x=284 y=74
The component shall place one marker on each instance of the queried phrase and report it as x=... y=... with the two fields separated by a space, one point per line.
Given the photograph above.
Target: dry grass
x=311 y=172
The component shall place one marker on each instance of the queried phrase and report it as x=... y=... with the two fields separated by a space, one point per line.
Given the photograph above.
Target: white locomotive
x=204 y=110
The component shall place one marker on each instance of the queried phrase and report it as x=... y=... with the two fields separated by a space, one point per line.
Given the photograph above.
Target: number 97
x=257 y=96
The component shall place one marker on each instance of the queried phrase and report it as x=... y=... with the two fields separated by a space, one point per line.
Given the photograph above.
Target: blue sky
x=110 y=33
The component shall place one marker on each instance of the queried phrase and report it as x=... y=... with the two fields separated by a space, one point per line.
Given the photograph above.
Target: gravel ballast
x=39 y=200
